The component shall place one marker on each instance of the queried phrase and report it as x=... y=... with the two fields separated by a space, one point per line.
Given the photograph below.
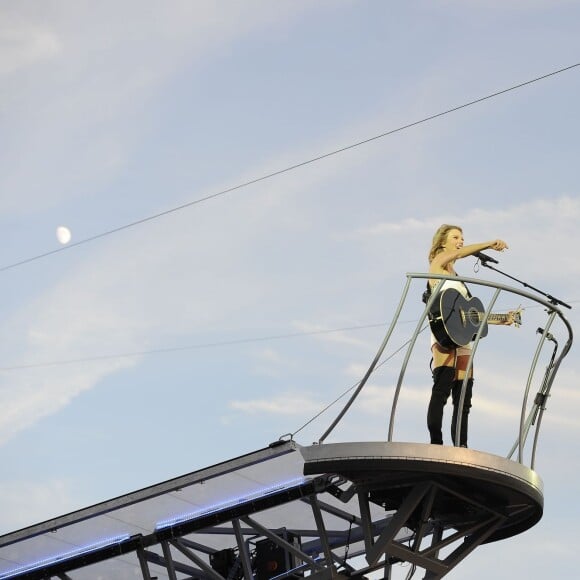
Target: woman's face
x=454 y=240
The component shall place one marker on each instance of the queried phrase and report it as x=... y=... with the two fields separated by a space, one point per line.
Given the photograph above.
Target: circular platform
x=469 y=484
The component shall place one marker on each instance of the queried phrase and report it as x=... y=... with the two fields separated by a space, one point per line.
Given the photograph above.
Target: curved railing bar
x=470 y=365
x=536 y=436
x=412 y=341
x=545 y=393
x=552 y=309
x=530 y=418
x=546 y=389
x=442 y=278
x=523 y=432
x=479 y=282
x=372 y=366
x=555 y=369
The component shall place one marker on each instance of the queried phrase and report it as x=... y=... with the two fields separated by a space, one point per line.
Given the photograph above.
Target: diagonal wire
x=285 y=170
x=344 y=393
x=217 y=344
x=189 y=347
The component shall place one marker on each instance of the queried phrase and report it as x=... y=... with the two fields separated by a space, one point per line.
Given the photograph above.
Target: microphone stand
x=552 y=299
x=539 y=404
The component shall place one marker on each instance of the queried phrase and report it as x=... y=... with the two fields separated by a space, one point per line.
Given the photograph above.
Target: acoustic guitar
x=455 y=320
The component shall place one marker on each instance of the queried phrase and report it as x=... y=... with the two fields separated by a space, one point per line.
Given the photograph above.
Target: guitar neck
x=494 y=317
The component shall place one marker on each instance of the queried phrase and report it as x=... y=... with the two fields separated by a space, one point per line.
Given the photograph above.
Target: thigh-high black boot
x=442 y=385
x=457 y=385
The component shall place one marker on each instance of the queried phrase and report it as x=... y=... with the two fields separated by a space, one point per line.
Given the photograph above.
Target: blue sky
x=113 y=112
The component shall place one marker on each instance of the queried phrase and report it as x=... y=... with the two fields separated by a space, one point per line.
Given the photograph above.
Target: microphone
x=485 y=258
x=548 y=335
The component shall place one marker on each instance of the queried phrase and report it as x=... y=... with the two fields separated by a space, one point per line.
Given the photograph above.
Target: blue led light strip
x=264 y=492
x=64 y=556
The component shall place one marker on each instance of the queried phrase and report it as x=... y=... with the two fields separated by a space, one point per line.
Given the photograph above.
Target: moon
x=63 y=234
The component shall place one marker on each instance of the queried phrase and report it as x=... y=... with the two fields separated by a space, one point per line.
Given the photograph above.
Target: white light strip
x=232 y=502
x=64 y=556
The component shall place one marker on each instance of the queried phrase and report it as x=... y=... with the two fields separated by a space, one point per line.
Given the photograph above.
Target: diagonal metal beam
x=425 y=513
x=322 y=534
x=366 y=519
x=405 y=510
x=243 y=550
x=159 y=560
x=209 y=571
x=428 y=558
x=407 y=555
x=339 y=513
x=168 y=560
x=143 y=563
x=281 y=542
x=462 y=532
x=203 y=548
x=223 y=530
x=474 y=541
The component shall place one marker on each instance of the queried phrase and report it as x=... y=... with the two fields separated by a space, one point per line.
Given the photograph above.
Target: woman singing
x=450 y=363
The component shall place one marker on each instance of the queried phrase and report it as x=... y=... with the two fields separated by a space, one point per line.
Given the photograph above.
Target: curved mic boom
x=485 y=258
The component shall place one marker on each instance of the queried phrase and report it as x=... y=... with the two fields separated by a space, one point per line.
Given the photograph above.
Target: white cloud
x=269 y=362
x=94 y=85
x=356 y=370
x=327 y=335
x=120 y=303
x=26 y=398
x=292 y=404
x=555 y=215
x=543 y=256
x=406 y=226
x=86 y=311
x=26 y=503
x=131 y=288
x=23 y=45
x=376 y=400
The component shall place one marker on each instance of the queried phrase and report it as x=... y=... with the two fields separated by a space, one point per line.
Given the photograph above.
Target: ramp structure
x=329 y=510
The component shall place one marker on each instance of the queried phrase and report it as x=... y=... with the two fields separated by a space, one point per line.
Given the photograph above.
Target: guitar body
x=455 y=320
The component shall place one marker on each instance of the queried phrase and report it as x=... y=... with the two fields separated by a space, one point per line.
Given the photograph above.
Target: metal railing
x=528 y=417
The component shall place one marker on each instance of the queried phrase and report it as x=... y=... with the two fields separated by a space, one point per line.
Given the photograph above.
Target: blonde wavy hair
x=439 y=239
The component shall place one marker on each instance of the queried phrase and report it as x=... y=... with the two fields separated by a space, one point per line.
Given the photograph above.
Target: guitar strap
x=469 y=295
x=427 y=293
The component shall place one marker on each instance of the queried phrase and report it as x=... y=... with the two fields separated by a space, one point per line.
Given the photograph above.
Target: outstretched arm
x=450 y=255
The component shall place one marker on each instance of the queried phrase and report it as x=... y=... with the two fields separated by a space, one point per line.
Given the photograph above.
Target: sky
x=189 y=320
